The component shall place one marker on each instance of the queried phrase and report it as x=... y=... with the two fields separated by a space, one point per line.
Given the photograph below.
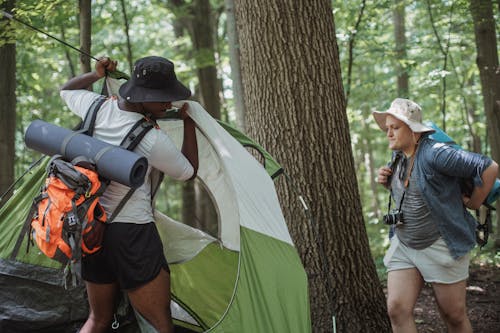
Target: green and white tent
x=249 y=278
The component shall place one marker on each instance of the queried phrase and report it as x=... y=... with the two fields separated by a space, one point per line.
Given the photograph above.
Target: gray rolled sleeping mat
x=112 y=162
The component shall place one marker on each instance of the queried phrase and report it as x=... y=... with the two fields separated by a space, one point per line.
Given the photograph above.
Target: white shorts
x=434 y=263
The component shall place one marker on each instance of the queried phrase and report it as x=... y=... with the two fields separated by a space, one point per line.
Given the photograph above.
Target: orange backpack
x=67 y=212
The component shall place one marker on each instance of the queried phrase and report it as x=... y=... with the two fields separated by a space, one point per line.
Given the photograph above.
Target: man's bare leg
x=102 y=298
x=152 y=301
x=403 y=288
x=451 y=299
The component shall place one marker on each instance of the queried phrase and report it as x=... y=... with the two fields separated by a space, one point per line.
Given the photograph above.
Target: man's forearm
x=190 y=145
x=83 y=81
x=479 y=194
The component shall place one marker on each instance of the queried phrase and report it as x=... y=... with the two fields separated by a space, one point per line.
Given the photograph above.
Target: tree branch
x=351 y=48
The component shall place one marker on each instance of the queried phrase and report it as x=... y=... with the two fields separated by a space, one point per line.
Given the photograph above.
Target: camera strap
x=406 y=182
x=400 y=202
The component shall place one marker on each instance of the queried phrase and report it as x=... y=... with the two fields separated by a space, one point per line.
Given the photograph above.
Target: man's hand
x=466 y=200
x=104 y=65
x=189 y=144
x=383 y=176
x=183 y=111
x=84 y=81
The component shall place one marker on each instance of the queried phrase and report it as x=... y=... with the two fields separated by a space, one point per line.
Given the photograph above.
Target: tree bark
x=489 y=72
x=85 y=34
x=8 y=105
x=296 y=109
x=400 y=38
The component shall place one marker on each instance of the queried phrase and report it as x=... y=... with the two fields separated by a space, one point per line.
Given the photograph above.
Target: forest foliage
x=443 y=76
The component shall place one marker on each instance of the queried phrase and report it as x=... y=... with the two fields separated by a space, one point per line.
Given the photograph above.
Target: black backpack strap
x=136 y=133
x=129 y=142
x=24 y=230
x=121 y=204
x=88 y=123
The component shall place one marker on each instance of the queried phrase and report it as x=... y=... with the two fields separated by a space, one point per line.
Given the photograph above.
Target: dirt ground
x=483 y=303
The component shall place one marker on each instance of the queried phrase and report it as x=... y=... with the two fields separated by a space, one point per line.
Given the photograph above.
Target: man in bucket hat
x=131 y=258
x=431 y=230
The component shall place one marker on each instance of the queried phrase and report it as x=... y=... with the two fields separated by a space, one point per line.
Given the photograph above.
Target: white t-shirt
x=112 y=125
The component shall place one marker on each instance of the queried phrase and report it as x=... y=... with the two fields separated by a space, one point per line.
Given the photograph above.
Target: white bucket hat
x=405 y=110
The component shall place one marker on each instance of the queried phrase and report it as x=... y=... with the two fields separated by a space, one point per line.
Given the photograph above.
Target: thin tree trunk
x=202 y=32
x=67 y=54
x=489 y=71
x=400 y=38
x=127 y=28
x=188 y=204
x=472 y=115
x=181 y=24
x=202 y=35
x=296 y=108
x=352 y=39
x=85 y=34
x=8 y=108
x=234 y=59
x=200 y=24
x=370 y=167
x=445 y=51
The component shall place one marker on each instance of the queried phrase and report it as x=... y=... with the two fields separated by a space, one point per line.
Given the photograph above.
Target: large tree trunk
x=400 y=38
x=85 y=34
x=296 y=108
x=7 y=108
x=489 y=71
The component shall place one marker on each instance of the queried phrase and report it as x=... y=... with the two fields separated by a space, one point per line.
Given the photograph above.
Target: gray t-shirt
x=418 y=230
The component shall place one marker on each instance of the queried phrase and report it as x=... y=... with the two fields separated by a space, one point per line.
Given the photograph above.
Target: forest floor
x=483 y=303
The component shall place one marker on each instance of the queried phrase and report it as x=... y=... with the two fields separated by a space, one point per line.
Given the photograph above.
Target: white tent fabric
x=236 y=180
x=182 y=242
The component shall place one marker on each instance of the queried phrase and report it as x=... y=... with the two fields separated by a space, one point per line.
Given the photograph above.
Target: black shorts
x=132 y=255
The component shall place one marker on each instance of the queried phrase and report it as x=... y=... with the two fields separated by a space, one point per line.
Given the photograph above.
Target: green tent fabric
x=268 y=292
x=247 y=278
x=272 y=167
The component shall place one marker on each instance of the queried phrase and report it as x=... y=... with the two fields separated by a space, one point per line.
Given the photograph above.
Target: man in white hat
x=431 y=230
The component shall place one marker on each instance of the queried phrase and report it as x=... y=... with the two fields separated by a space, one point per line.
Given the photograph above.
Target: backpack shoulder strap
x=136 y=134
x=24 y=230
x=88 y=123
x=129 y=142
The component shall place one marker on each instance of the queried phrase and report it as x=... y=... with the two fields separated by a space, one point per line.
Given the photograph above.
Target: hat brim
x=135 y=94
x=416 y=127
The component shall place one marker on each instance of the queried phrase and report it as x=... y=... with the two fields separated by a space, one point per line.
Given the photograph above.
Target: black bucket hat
x=153 y=80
